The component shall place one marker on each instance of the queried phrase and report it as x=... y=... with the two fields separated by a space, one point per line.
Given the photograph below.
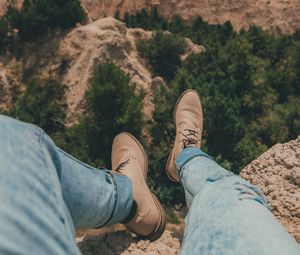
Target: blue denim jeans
x=227 y=215
x=45 y=193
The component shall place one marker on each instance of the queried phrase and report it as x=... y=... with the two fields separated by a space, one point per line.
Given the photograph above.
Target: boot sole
x=157 y=233
x=174 y=121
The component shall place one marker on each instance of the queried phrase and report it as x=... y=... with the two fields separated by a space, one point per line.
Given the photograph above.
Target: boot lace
x=190 y=138
x=122 y=165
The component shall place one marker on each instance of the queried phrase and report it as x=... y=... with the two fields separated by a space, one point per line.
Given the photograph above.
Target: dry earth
x=122 y=242
x=276 y=172
x=278 y=16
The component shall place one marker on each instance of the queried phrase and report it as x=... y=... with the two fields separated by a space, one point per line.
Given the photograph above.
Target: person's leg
x=95 y=198
x=99 y=198
x=227 y=215
x=36 y=179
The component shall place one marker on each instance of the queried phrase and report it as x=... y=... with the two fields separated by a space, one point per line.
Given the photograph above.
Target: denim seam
x=115 y=201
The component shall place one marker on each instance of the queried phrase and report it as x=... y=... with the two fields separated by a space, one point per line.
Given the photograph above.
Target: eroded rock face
x=278 y=16
x=277 y=173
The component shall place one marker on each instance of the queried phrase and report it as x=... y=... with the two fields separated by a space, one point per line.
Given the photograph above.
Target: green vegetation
x=112 y=106
x=249 y=84
x=4 y=33
x=37 y=16
x=42 y=103
x=163 y=52
x=143 y=19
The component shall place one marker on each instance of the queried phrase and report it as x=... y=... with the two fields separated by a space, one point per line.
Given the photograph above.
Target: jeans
x=45 y=193
x=227 y=215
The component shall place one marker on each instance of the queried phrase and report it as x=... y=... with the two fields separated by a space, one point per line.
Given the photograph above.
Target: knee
x=10 y=127
x=249 y=191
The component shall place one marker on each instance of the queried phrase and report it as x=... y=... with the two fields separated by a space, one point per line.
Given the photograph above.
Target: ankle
x=132 y=213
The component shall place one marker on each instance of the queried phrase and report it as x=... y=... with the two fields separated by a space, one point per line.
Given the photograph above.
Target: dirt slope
x=278 y=16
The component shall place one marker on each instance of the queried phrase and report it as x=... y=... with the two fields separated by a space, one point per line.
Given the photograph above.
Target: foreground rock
x=277 y=173
x=123 y=243
x=116 y=240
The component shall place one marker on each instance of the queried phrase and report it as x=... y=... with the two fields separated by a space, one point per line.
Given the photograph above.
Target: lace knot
x=190 y=138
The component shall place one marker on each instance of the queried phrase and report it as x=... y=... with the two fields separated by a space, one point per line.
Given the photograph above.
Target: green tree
x=37 y=16
x=262 y=42
x=145 y=19
x=4 y=30
x=112 y=106
x=177 y=25
x=42 y=103
x=163 y=52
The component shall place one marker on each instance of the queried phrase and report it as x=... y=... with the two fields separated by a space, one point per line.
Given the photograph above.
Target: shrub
x=4 y=30
x=144 y=19
x=112 y=106
x=163 y=53
x=42 y=103
x=37 y=16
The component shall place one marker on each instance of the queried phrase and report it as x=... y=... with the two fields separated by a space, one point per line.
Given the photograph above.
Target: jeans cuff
x=187 y=154
x=123 y=198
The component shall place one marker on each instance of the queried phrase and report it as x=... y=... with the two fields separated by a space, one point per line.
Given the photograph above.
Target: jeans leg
x=94 y=197
x=44 y=192
x=33 y=215
x=227 y=215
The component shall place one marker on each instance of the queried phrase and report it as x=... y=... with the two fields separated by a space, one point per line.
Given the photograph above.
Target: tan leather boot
x=188 y=120
x=130 y=159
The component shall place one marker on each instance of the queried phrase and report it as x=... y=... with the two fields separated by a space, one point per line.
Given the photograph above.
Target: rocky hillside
x=276 y=172
x=278 y=16
x=66 y=54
